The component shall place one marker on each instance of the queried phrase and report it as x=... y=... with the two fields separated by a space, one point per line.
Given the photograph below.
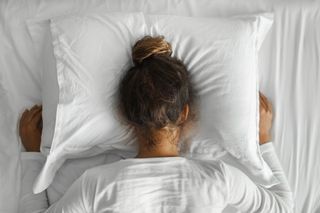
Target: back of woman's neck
x=163 y=149
x=155 y=155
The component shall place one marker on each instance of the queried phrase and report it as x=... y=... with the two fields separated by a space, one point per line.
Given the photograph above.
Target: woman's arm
x=32 y=160
x=75 y=200
x=30 y=129
x=31 y=164
x=245 y=194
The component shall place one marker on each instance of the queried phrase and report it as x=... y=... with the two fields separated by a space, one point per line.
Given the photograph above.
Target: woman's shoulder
x=215 y=169
x=103 y=172
x=208 y=164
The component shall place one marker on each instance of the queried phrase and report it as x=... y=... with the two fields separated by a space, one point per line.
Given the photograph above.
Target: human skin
x=265 y=123
x=30 y=128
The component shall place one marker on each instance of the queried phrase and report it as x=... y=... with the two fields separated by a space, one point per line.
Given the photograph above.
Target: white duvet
x=289 y=76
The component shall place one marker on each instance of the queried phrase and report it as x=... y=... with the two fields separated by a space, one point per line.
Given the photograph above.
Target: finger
x=37 y=118
x=266 y=101
x=268 y=104
x=30 y=113
x=33 y=113
x=262 y=102
x=263 y=95
x=270 y=107
x=36 y=112
x=36 y=115
x=34 y=108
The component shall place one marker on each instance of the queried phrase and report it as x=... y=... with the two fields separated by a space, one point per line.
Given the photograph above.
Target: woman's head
x=156 y=94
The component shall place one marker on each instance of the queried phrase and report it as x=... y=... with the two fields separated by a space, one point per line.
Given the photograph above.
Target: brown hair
x=154 y=92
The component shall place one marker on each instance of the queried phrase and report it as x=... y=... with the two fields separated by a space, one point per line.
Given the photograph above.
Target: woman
x=156 y=99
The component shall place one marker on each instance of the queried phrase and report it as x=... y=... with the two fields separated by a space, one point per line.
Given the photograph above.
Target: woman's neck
x=158 y=151
x=163 y=148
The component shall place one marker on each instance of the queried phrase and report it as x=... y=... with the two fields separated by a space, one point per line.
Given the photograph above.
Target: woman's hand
x=30 y=128
x=265 y=119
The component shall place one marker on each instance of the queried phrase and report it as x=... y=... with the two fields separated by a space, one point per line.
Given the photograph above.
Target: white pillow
x=86 y=127
x=222 y=57
x=92 y=52
x=40 y=32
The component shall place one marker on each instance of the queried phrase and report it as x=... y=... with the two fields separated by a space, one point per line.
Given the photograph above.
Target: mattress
x=289 y=75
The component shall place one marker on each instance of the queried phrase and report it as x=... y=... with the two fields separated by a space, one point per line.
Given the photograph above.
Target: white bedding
x=290 y=65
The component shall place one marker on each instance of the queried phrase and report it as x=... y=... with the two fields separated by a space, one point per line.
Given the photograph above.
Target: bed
x=289 y=75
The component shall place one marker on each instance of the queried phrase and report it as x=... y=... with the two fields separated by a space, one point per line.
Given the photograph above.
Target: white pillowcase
x=41 y=36
x=222 y=57
x=87 y=127
x=40 y=32
x=94 y=50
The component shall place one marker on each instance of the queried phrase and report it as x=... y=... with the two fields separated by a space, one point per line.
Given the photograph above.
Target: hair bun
x=148 y=46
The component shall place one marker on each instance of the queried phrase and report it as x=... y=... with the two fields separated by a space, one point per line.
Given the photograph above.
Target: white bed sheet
x=290 y=76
